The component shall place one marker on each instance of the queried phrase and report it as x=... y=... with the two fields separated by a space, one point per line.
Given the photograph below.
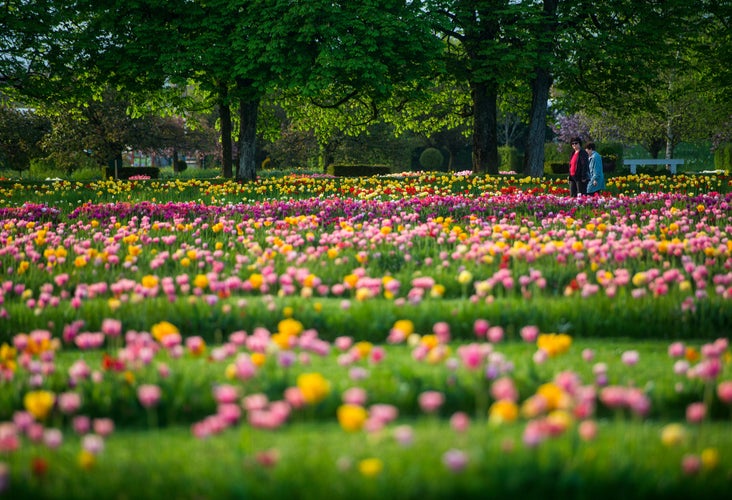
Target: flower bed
x=417 y=332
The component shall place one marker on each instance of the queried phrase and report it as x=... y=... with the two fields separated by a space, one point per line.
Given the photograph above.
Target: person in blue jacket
x=597 y=177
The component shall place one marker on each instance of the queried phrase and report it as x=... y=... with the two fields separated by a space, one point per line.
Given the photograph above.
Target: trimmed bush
x=431 y=159
x=510 y=159
x=127 y=172
x=358 y=170
x=556 y=153
x=612 y=155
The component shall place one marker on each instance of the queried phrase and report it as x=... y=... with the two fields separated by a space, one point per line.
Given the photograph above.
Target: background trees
x=21 y=133
x=650 y=72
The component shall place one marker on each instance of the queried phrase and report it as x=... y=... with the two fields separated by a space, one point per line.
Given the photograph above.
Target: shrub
x=510 y=159
x=127 y=172
x=358 y=170
x=723 y=157
x=611 y=152
x=45 y=169
x=431 y=159
x=87 y=173
x=555 y=153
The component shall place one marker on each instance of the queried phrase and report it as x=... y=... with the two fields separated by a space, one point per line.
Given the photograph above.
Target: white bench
x=671 y=162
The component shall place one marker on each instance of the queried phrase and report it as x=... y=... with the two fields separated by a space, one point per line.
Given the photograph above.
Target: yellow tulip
x=351 y=417
x=39 y=403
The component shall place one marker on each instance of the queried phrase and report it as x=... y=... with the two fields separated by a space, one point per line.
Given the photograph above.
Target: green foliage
x=45 y=168
x=556 y=153
x=431 y=159
x=358 y=170
x=190 y=173
x=511 y=160
x=87 y=173
x=697 y=155
x=21 y=133
x=611 y=152
x=723 y=157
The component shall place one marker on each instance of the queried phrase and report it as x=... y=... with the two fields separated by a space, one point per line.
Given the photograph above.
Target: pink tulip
x=103 y=426
x=383 y=413
x=613 y=396
x=93 y=443
x=355 y=396
x=377 y=354
x=343 y=343
x=495 y=334
x=471 y=355
x=696 y=412
x=229 y=412
x=225 y=394
x=35 y=432
x=149 y=395
x=69 y=402
x=480 y=327
x=404 y=435
x=255 y=402
x=431 y=401
x=455 y=460
x=460 y=421
x=111 y=327
x=53 y=438
x=630 y=358
x=442 y=331
x=81 y=424
x=534 y=433
x=587 y=430
x=293 y=396
x=504 y=388
x=529 y=333
x=691 y=465
x=724 y=391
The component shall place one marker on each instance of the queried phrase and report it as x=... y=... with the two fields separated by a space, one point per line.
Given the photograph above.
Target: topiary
x=431 y=159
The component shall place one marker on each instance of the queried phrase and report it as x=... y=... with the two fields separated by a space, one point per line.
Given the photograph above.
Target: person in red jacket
x=579 y=171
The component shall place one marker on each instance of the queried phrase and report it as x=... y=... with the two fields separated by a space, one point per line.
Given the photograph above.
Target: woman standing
x=579 y=173
x=597 y=177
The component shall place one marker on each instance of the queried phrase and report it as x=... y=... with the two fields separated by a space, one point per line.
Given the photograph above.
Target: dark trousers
x=576 y=186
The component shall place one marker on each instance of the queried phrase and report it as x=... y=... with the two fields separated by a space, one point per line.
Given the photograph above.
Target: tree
x=241 y=50
x=34 y=51
x=546 y=30
x=672 y=91
x=480 y=50
x=102 y=130
x=21 y=132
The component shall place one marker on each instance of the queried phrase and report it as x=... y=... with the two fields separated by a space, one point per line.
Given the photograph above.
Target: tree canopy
x=336 y=66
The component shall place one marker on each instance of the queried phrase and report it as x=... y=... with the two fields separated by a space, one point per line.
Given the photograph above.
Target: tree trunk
x=655 y=147
x=247 y=139
x=176 y=166
x=485 y=127
x=534 y=159
x=669 y=139
x=540 y=85
x=325 y=155
x=226 y=149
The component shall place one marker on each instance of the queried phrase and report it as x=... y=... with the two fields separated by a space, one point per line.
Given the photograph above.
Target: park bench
x=671 y=162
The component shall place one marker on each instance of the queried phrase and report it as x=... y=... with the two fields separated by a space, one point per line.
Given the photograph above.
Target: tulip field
x=426 y=335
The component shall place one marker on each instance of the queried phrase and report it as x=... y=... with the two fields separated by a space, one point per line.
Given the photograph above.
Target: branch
x=336 y=104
